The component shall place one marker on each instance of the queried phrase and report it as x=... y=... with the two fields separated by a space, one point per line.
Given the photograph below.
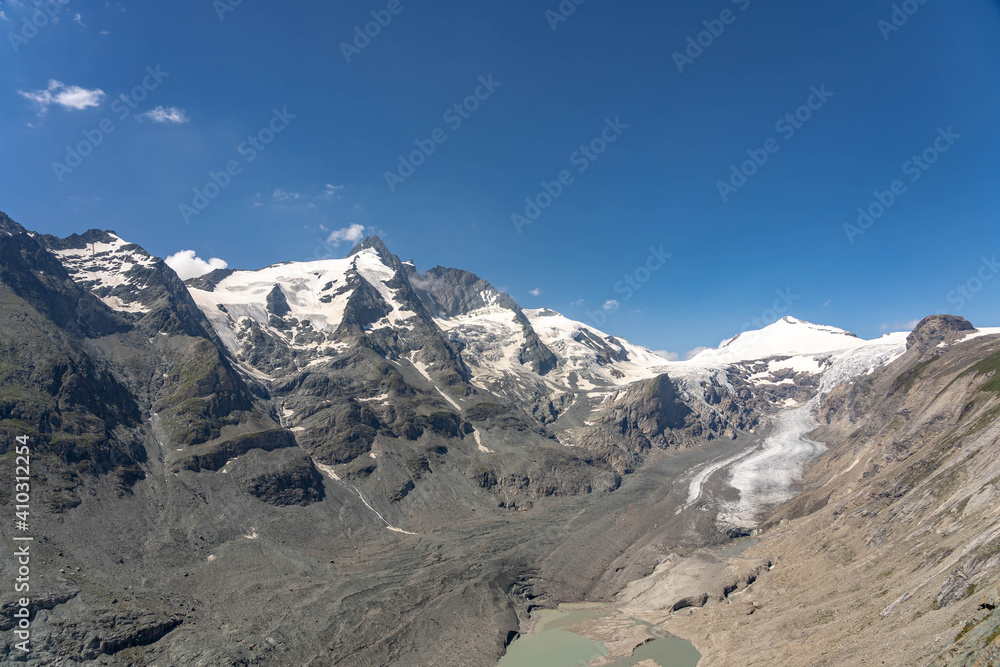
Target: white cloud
x=353 y=233
x=3 y=17
x=673 y=356
x=166 y=115
x=78 y=19
x=188 y=265
x=535 y=292
x=611 y=304
x=332 y=191
x=901 y=326
x=578 y=302
x=68 y=97
x=281 y=195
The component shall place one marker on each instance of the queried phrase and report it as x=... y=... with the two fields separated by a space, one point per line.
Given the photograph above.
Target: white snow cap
x=786 y=337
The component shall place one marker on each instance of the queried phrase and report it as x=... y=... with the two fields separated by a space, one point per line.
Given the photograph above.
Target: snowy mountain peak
x=115 y=270
x=786 y=337
x=374 y=245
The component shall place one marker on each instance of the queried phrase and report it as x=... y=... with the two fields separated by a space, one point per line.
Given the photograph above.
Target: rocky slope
x=889 y=555
x=191 y=445
x=352 y=462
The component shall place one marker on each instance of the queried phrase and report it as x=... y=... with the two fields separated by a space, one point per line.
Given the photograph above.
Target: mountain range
x=351 y=462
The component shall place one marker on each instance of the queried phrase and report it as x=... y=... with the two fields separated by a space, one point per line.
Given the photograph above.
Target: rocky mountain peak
x=936 y=330
x=376 y=244
x=456 y=292
x=82 y=241
x=9 y=226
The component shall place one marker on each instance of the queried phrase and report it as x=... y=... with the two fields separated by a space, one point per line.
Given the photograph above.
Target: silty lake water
x=553 y=645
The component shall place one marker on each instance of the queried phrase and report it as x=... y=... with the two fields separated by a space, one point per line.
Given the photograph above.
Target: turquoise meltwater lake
x=552 y=644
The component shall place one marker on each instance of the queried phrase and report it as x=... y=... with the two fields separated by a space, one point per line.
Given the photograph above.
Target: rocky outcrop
x=214 y=456
x=454 y=292
x=281 y=477
x=655 y=414
x=938 y=331
x=691 y=581
x=976 y=643
x=45 y=601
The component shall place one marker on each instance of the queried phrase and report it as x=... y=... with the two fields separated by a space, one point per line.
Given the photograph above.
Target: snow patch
x=479 y=442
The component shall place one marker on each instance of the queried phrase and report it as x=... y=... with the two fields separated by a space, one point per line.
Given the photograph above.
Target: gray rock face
x=936 y=330
x=208 y=281
x=975 y=644
x=280 y=477
x=453 y=292
x=8 y=226
x=277 y=304
x=645 y=415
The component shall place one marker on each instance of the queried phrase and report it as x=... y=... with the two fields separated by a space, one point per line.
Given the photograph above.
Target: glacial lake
x=551 y=644
x=738 y=546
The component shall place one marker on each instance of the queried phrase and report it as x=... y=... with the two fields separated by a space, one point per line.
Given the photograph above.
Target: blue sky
x=886 y=95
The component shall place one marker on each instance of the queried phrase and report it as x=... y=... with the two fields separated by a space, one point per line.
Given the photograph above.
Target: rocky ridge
x=346 y=441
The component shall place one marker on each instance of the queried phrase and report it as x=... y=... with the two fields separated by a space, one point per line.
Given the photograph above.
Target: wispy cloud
x=77 y=18
x=188 y=265
x=68 y=97
x=535 y=292
x=352 y=233
x=166 y=115
x=332 y=191
x=281 y=195
x=611 y=304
